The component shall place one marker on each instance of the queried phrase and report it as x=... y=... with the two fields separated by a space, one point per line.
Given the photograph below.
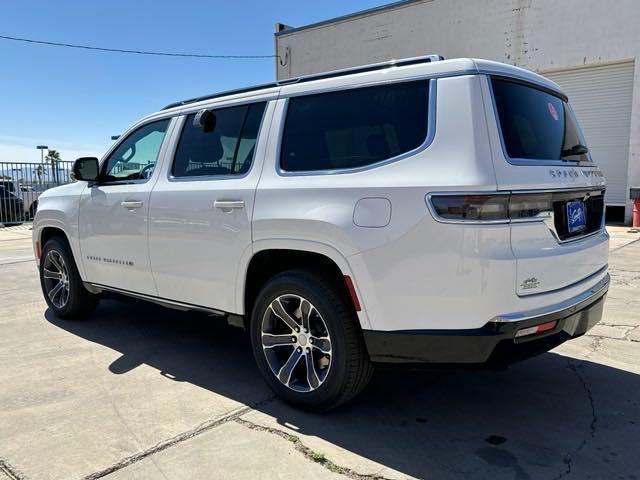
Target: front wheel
x=61 y=284
x=307 y=342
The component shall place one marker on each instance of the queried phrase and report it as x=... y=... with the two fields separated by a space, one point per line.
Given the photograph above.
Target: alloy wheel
x=56 y=279
x=296 y=343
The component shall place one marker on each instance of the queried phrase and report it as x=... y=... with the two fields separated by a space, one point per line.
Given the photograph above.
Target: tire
x=33 y=209
x=339 y=375
x=57 y=266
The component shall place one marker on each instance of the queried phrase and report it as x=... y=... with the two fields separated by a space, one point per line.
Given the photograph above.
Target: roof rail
x=221 y=94
x=317 y=76
x=363 y=68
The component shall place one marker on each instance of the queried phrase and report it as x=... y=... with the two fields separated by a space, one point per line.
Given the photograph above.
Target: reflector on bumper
x=543 y=327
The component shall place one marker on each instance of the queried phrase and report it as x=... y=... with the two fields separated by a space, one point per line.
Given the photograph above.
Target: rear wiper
x=577 y=149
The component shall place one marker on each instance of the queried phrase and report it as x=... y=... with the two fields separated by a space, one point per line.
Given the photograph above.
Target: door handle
x=131 y=204
x=228 y=204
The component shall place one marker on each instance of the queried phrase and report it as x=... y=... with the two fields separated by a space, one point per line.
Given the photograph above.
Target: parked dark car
x=11 y=206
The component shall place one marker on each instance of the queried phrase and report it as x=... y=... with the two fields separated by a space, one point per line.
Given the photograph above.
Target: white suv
x=423 y=211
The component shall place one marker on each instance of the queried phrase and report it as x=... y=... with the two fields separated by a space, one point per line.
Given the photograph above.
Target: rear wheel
x=61 y=284
x=307 y=342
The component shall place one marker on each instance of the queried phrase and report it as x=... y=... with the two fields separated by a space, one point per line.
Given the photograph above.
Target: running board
x=96 y=288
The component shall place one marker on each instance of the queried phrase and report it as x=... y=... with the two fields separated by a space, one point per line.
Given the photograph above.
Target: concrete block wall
x=541 y=35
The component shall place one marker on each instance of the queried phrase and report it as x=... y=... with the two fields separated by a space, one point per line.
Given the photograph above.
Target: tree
x=53 y=156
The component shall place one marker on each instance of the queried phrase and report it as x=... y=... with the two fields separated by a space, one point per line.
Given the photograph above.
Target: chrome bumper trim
x=570 y=305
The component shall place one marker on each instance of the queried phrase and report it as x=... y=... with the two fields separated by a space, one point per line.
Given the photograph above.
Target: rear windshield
x=537 y=125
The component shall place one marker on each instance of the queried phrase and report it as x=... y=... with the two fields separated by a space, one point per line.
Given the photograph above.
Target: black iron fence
x=22 y=183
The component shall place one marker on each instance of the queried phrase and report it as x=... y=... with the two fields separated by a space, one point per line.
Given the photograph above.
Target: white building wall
x=541 y=35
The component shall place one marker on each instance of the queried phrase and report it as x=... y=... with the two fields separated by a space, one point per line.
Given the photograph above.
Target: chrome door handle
x=228 y=204
x=131 y=204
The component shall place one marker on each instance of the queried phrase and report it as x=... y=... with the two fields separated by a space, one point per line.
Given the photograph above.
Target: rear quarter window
x=535 y=124
x=354 y=128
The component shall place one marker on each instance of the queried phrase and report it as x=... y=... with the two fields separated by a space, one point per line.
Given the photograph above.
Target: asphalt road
x=141 y=392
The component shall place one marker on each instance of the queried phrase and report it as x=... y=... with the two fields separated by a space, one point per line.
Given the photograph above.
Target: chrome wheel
x=296 y=343
x=56 y=279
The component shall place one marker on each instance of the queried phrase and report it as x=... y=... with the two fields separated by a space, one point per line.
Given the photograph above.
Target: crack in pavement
x=628 y=330
x=623 y=246
x=568 y=458
x=202 y=428
x=310 y=454
x=10 y=471
x=15 y=262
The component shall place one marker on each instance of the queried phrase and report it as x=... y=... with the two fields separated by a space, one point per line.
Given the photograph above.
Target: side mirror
x=86 y=169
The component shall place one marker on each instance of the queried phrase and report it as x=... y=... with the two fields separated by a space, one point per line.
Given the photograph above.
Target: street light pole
x=42 y=148
x=40 y=169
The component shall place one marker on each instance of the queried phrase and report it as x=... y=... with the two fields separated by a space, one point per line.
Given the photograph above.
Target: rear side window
x=535 y=124
x=354 y=128
x=226 y=150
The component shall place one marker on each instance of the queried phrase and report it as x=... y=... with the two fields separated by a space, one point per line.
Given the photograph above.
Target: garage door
x=601 y=98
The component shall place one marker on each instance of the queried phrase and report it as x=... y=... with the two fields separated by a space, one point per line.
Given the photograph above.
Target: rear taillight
x=527 y=206
x=471 y=208
x=491 y=208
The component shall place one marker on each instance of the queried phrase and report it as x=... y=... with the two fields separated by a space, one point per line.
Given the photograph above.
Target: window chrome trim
x=529 y=161
x=431 y=133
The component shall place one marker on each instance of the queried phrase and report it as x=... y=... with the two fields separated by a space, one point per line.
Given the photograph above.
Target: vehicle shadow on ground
x=541 y=418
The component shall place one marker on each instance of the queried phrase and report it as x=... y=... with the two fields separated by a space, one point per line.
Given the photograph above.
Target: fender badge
x=529 y=283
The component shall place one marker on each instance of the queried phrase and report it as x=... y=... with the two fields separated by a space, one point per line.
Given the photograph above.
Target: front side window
x=227 y=149
x=354 y=128
x=136 y=156
x=536 y=125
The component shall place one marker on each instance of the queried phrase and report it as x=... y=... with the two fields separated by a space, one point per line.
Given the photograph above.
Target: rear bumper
x=496 y=341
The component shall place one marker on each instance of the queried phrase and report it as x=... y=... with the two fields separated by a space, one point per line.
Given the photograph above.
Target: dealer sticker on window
x=576 y=218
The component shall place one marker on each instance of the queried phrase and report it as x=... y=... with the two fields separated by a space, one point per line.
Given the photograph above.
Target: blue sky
x=74 y=100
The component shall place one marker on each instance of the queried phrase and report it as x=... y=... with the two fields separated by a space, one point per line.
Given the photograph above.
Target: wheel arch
x=48 y=232
x=43 y=232
x=268 y=258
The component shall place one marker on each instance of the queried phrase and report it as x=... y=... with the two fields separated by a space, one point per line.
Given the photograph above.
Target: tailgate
x=556 y=206
x=548 y=255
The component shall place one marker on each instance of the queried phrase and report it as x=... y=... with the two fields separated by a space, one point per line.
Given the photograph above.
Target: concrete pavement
x=142 y=392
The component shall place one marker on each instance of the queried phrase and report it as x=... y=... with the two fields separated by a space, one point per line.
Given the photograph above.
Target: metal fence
x=22 y=183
